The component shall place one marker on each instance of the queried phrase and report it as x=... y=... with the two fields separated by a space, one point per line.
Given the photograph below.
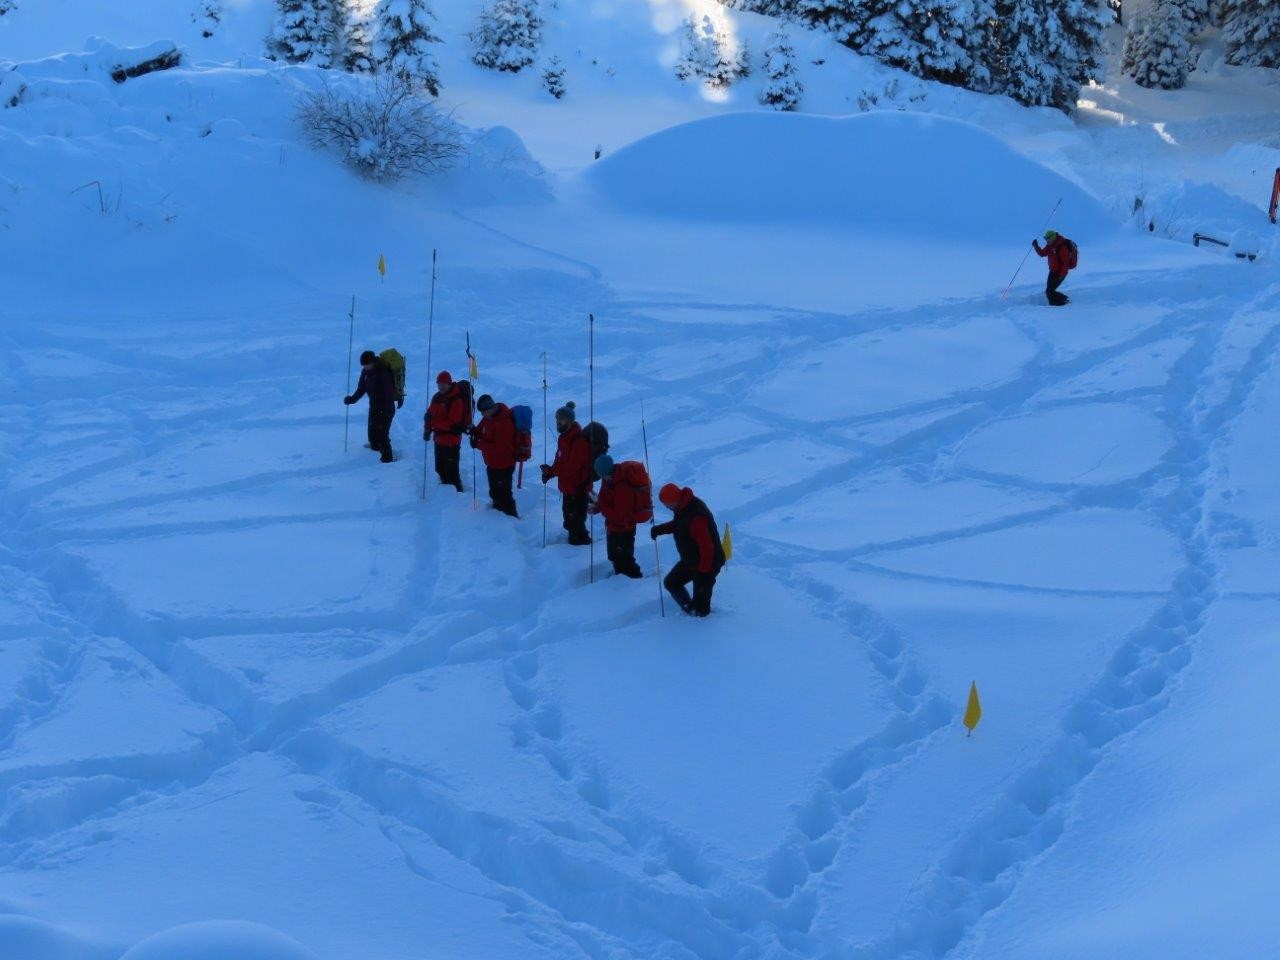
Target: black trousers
x=447 y=464
x=621 y=548
x=703 y=584
x=1051 y=290
x=380 y=430
x=500 y=490
x=574 y=508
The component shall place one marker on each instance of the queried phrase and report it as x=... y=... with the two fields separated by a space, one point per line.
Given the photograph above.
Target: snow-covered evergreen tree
x=553 y=77
x=1252 y=32
x=706 y=52
x=8 y=6
x=1158 y=51
x=207 y=15
x=357 y=44
x=402 y=42
x=783 y=87
x=1047 y=49
x=303 y=32
x=946 y=40
x=507 y=35
x=846 y=20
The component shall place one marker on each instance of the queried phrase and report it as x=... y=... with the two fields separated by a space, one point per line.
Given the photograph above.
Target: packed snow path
x=247 y=676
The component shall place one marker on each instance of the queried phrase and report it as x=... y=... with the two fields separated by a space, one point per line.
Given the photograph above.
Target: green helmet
x=1050 y=234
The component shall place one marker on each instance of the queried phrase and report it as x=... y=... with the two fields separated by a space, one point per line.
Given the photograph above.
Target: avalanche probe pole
x=1005 y=295
x=351 y=339
x=544 y=446
x=431 y=327
x=470 y=364
x=591 y=414
x=657 y=556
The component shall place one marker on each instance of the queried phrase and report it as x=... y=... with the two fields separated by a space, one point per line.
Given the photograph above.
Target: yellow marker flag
x=727 y=543
x=382 y=266
x=473 y=369
x=973 y=712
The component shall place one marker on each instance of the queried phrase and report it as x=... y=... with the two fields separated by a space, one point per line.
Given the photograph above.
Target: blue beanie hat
x=604 y=465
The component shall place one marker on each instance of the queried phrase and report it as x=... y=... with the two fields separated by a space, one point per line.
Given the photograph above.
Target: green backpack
x=394 y=360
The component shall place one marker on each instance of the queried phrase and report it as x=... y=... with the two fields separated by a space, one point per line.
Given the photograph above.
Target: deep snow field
x=259 y=701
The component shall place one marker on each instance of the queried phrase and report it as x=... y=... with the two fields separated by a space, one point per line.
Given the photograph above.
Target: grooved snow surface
x=261 y=699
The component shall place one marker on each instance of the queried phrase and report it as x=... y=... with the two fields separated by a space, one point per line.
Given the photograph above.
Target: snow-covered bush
x=12 y=86
x=1157 y=51
x=383 y=129
x=553 y=77
x=8 y=6
x=207 y=15
x=402 y=42
x=507 y=35
x=1252 y=32
x=783 y=87
x=707 y=52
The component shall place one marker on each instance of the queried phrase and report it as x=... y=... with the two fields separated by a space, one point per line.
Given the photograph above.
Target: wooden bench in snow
x=144 y=60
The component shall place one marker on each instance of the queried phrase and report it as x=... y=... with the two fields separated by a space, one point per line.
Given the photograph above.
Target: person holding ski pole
x=699 y=546
x=379 y=383
x=624 y=501
x=495 y=437
x=448 y=417
x=1063 y=258
x=572 y=470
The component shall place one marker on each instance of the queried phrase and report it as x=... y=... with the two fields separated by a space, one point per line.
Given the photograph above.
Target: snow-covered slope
x=259 y=699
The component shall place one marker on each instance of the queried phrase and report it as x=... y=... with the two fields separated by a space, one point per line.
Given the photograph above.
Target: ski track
x=621 y=881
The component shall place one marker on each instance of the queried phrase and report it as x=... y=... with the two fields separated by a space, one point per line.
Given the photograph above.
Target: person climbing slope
x=572 y=470
x=624 y=500
x=379 y=383
x=448 y=417
x=698 y=543
x=1063 y=257
x=495 y=437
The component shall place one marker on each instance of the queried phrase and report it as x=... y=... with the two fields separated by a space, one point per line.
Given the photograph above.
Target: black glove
x=546 y=473
x=653 y=533
x=474 y=442
x=348 y=400
x=426 y=436
x=400 y=404
x=460 y=430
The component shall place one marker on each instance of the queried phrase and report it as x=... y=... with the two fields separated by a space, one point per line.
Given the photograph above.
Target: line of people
x=624 y=499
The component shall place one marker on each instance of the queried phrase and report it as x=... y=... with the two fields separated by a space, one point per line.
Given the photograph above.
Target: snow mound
x=220 y=940
x=25 y=938
x=897 y=173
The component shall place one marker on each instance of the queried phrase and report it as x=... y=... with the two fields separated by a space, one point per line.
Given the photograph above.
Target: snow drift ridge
x=900 y=173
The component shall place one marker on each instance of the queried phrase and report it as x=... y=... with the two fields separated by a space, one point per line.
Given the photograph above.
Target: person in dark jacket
x=495 y=437
x=624 y=500
x=448 y=417
x=379 y=383
x=698 y=543
x=572 y=470
x=1057 y=250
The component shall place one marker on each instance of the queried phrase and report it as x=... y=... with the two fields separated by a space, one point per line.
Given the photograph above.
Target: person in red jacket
x=698 y=543
x=495 y=437
x=572 y=470
x=447 y=418
x=1057 y=250
x=624 y=500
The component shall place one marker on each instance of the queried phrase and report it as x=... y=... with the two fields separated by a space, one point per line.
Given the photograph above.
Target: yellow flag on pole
x=973 y=711
x=382 y=266
x=727 y=542
x=473 y=369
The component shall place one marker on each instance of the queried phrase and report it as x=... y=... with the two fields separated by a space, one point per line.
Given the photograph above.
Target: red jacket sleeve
x=701 y=534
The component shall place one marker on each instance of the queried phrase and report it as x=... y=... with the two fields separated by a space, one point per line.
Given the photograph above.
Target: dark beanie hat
x=484 y=403
x=566 y=412
x=367 y=357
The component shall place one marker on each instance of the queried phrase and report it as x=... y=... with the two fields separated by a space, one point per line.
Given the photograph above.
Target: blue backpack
x=523 y=417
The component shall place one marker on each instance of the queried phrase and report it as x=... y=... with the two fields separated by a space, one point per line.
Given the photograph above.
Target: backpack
x=1072 y=254
x=464 y=388
x=394 y=360
x=634 y=475
x=598 y=437
x=523 y=417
